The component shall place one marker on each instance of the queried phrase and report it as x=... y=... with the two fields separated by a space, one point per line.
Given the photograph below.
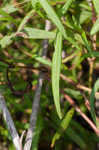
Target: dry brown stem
x=92 y=125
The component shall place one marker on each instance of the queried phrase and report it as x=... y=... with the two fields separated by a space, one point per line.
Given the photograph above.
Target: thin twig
x=92 y=125
x=87 y=102
x=78 y=85
x=36 y=101
x=10 y=124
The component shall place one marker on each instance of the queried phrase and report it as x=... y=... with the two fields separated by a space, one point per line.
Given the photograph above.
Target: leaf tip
x=60 y=115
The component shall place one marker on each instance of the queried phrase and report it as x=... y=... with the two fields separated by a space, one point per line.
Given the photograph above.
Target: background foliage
x=71 y=68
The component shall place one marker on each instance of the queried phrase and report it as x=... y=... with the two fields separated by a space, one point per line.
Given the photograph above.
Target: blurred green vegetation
x=22 y=31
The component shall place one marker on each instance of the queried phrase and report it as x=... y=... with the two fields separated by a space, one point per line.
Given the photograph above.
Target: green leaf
x=96 y=5
x=25 y=20
x=95 y=27
x=73 y=93
x=72 y=134
x=84 y=6
x=53 y=16
x=5 y=16
x=4 y=65
x=9 y=8
x=55 y=19
x=86 y=43
x=43 y=61
x=63 y=126
x=6 y=40
x=39 y=34
x=78 y=127
x=34 y=3
x=84 y=15
x=37 y=132
x=95 y=54
x=92 y=96
x=66 y=6
x=56 y=65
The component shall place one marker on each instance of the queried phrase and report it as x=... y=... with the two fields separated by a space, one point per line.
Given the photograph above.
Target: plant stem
x=36 y=101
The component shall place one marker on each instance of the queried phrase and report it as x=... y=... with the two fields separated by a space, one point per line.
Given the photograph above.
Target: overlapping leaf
x=63 y=126
x=92 y=100
x=53 y=16
x=39 y=34
x=43 y=61
x=24 y=21
x=6 y=40
x=37 y=132
x=76 y=138
x=86 y=43
x=96 y=5
x=66 y=6
x=95 y=27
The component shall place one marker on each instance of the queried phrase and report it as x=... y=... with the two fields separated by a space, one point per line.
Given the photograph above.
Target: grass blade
x=43 y=61
x=96 y=5
x=56 y=65
x=63 y=126
x=53 y=16
x=24 y=21
x=37 y=132
x=76 y=138
x=66 y=6
x=6 y=40
x=9 y=8
x=94 y=90
x=39 y=34
x=86 y=43
x=95 y=27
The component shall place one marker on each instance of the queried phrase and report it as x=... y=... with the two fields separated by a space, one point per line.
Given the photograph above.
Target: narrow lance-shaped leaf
x=76 y=138
x=43 y=61
x=66 y=6
x=95 y=27
x=36 y=5
x=53 y=16
x=92 y=96
x=56 y=65
x=63 y=126
x=55 y=19
x=34 y=2
x=37 y=132
x=9 y=8
x=24 y=21
x=84 y=16
x=6 y=16
x=34 y=33
x=6 y=40
x=86 y=43
x=96 y=5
